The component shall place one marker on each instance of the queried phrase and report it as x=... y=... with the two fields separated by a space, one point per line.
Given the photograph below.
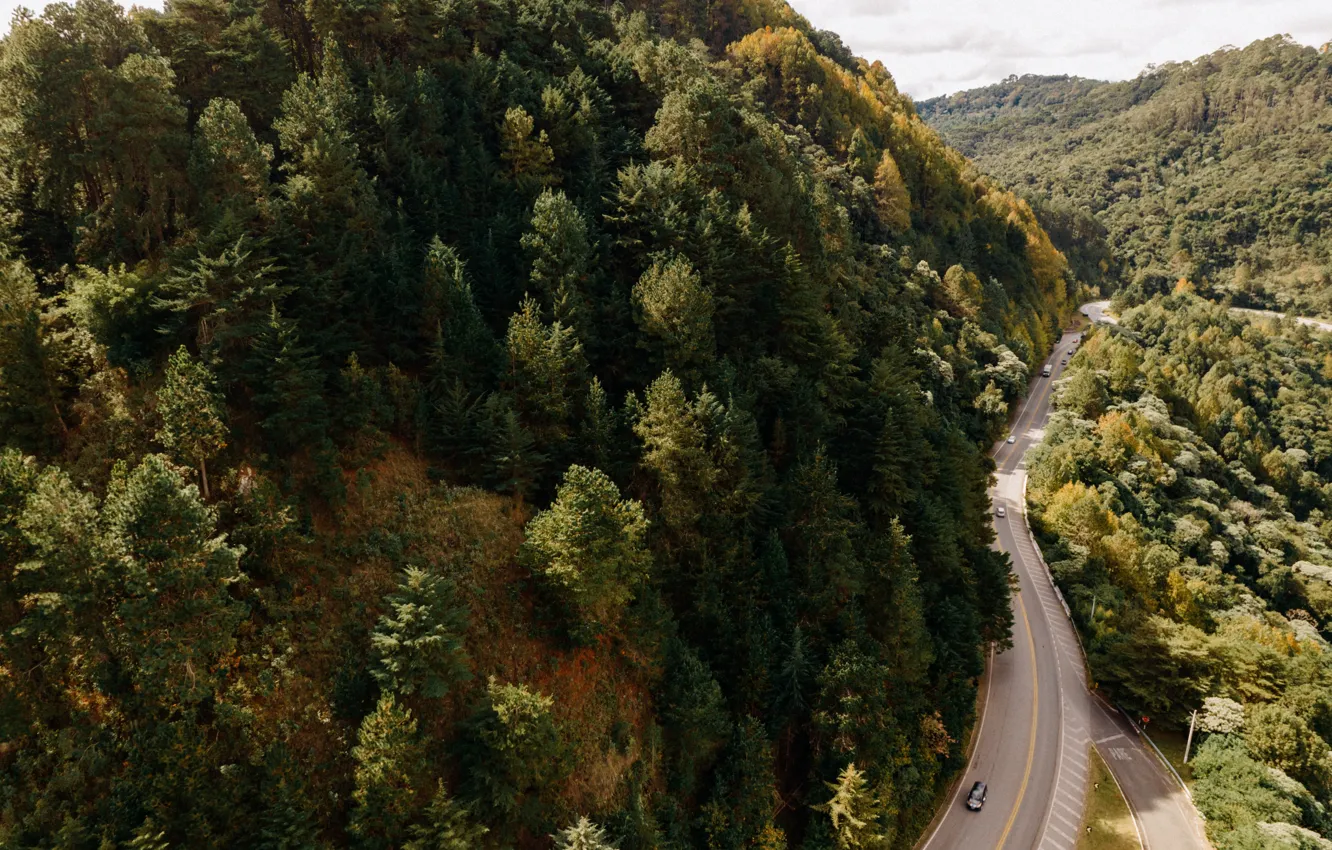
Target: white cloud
x=935 y=47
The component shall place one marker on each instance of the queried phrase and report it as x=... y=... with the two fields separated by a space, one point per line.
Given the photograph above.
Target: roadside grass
x=1106 y=822
x=1171 y=742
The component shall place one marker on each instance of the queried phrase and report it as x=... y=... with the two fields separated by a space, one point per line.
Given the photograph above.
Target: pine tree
x=18 y=477
x=229 y=168
x=583 y=835
x=446 y=825
x=739 y=813
x=674 y=308
x=854 y=811
x=598 y=430
x=860 y=158
x=389 y=762
x=51 y=525
x=418 y=641
x=891 y=192
x=675 y=451
x=31 y=379
x=449 y=316
x=529 y=157
x=513 y=754
x=148 y=837
x=97 y=131
x=286 y=823
x=561 y=255
x=169 y=576
x=330 y=208
x=458 y=426
x=514 y=464
x=694 y=712
x=288 y=385
x=590 y=543
x=546 y=365
x=191 y=412
x=224 y=298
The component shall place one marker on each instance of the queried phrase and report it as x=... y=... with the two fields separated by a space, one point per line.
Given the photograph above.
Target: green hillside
x=1218 y=171
x=491 y=423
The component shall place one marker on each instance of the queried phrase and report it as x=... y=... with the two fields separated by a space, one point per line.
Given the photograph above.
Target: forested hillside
x=1217 y=170
x=1185 y=488
x=491 y=423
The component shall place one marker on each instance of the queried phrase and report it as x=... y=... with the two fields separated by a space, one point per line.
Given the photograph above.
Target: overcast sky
x=935 y=47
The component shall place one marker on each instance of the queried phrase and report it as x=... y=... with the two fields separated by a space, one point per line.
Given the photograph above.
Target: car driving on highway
x=976 y=798
x=1000 y=512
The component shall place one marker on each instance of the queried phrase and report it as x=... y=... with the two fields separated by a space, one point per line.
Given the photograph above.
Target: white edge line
x=1050 y=627
x=971 y=762
x=980 y=728
x=1133 y=813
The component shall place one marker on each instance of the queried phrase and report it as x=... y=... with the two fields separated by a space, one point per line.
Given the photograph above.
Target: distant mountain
x=1217 y=170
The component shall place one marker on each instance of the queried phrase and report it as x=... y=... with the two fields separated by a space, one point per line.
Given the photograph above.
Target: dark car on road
x=976 y=798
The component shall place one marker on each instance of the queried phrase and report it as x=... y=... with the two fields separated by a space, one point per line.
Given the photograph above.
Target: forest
x=1184 y=496
x=517 y=424
x=1217 y=170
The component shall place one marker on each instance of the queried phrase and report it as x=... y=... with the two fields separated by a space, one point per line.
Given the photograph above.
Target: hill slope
x=1216 y=170
x=422 y=418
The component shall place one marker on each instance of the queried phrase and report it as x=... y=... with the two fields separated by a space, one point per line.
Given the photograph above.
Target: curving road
x=1038 y=718
x=1096 y=311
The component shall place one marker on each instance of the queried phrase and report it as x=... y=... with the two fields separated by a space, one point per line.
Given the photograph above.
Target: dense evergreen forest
x=496 y=423
x=1217 y=170
x=1185 y=490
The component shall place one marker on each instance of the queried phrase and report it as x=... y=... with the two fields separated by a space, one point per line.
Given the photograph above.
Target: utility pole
x=1188 y=742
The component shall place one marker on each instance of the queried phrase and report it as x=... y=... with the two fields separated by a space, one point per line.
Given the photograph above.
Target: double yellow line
x=1035 y=713
x=1031 y=649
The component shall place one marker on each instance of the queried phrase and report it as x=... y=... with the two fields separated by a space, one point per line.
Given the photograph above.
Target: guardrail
x=1086 y=662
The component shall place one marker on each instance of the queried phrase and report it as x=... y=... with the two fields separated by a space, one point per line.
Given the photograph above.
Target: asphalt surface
x=1039 y=719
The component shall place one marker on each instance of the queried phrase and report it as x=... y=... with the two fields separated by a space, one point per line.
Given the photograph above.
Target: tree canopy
x=493 y=423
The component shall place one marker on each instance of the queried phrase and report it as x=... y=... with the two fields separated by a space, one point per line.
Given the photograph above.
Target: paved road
x=1272 y=314
x=1096 y=312
x=1039 y=719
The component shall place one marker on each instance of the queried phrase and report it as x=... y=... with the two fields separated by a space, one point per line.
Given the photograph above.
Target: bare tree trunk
x=203 y=474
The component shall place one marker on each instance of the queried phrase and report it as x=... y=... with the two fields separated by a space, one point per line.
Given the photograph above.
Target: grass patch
x=1171 y=743
x=1106 y=822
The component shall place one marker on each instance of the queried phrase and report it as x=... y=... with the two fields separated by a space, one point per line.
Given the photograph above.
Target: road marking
x=1065 y=835
x=1133 y=813
x=971 y=762
x=1111 y=738
x=1035 y=713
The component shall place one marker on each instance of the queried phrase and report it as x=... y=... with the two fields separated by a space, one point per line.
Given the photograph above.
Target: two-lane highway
x=1030 y=745
x=1039 y=719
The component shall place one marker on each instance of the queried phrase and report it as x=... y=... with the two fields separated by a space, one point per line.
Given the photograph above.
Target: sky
x=935 y=47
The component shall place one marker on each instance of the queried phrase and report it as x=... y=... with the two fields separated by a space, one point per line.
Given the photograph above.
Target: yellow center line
x=1035 y=711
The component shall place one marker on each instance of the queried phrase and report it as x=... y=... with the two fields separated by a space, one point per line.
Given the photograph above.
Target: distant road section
x=1270 y=314
x=1096 y=311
